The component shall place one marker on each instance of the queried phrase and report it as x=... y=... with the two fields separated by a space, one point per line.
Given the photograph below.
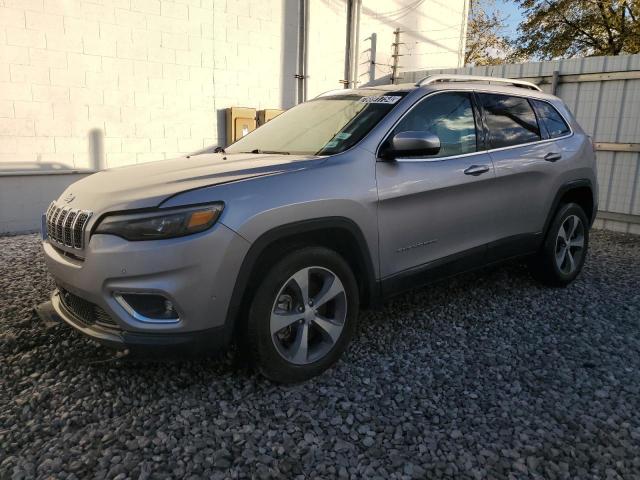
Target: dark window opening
x=510 y=120
x=449 y=116
x=551 y=119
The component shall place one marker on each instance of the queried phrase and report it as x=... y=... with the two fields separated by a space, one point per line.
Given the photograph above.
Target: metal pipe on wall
x=306 y=49
x=352 y=40
x=303 y=51
x=355 y=46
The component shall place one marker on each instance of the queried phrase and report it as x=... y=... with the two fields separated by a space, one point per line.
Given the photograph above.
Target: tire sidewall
x=550 y=243
x=267 y=358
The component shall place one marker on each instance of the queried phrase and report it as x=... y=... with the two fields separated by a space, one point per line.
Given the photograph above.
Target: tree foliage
x=569 y=28
x=485 y=44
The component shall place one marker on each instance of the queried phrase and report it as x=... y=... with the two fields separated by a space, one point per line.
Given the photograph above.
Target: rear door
x=432 y=208
x=524 y=168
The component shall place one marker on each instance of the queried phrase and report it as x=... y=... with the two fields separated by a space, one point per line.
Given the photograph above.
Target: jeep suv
x=276 y=241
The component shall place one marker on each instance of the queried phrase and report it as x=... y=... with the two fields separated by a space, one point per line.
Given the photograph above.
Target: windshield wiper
x=268 y=152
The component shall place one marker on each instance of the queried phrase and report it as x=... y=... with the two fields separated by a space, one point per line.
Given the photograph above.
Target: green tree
x=570 y=28
x=485 y=44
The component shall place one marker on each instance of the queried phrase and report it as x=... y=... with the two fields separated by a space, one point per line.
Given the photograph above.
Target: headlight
x=158 y=225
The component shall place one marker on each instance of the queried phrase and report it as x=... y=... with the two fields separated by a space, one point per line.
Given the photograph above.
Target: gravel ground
x=484 y=376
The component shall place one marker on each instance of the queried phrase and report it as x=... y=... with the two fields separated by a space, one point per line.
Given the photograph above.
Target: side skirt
x=463 y=262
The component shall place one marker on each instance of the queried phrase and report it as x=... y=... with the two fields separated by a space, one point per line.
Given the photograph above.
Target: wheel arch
x=577 y=191
x=338 y=233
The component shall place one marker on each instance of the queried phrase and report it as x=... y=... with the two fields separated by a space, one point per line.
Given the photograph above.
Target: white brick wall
x=150 y=74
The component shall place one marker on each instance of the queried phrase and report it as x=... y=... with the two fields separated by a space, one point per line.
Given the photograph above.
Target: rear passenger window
x=510 y=120
x=450 y=117
x=551 y=119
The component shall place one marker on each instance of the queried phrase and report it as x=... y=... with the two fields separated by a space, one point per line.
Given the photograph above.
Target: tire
x=555 y=265
x=277 y=319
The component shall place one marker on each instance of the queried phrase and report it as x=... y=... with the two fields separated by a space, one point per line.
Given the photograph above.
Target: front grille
x=86 y=312
x=65 y=226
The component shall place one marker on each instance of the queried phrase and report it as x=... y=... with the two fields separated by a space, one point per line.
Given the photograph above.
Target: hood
x=147 y=185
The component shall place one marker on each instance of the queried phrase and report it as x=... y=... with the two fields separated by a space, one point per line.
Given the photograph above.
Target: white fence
x=604 y=95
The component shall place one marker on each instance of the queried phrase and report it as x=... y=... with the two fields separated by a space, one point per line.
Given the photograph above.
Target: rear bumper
x=200 y=342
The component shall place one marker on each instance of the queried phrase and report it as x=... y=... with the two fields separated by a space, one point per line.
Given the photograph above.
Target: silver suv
x=276 y=241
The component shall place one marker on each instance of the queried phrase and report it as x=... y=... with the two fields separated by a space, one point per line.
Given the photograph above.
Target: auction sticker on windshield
x=381 y=99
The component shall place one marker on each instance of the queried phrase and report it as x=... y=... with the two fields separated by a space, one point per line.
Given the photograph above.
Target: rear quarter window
x=551 y=119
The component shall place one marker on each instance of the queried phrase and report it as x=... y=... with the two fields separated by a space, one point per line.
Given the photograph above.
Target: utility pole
x=396 y=56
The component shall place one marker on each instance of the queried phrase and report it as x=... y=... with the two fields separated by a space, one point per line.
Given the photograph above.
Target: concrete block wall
x=88 y=84
x=147 y=74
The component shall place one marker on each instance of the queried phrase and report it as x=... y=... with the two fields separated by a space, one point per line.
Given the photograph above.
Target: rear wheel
x=563 y=253
x=302 y=316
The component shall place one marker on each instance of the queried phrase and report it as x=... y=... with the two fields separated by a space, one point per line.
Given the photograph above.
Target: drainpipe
x=306 y=49
x=303 y=53
x=356 y=44
x=351 y=47
x=463 y=32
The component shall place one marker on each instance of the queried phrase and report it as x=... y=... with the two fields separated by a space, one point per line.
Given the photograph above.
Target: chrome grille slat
x=66 y=226
x=60 y=225
x=78 y=232
x=54 y=218
x=67 y=236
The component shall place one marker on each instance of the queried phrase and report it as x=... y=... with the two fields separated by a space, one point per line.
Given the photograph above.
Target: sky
x=513 y=14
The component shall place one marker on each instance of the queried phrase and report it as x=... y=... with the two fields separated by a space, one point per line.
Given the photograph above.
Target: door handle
x=476 y=170
x=552 y=157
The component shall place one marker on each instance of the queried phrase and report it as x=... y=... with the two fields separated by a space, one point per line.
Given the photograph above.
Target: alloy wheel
x=308 y=315
x=570 y=245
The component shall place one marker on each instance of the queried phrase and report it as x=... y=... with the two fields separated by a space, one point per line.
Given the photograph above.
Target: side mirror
x=413 y=143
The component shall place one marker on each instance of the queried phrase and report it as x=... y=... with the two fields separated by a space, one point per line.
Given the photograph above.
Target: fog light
x=148 y=307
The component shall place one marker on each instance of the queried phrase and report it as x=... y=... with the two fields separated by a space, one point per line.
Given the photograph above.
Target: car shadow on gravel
x=486 y=375
x=81 y=350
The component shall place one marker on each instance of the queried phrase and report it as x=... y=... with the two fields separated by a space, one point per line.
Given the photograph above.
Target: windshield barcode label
x=389 y=99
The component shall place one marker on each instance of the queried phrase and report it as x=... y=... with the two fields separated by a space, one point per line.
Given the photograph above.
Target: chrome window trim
x=489 y=150
x=520 y=145
x=118 y=296
x=437 y=159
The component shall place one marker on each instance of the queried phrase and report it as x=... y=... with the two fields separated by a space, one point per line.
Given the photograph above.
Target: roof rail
x=335 y=91
x=447 y=77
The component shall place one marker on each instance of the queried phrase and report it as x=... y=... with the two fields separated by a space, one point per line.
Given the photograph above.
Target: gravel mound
x=487 y=375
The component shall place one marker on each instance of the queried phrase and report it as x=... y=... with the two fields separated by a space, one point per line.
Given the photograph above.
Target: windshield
x=323 y=126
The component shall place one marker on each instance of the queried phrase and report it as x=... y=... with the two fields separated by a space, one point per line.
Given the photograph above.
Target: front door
x=436 y=208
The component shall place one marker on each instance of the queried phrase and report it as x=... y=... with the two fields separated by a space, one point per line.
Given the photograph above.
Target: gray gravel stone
x=487 y=375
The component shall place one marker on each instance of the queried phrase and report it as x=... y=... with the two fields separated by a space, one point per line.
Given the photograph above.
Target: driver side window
x=450 y=117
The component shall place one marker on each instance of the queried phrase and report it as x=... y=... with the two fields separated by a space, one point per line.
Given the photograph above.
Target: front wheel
x=302 y=315
x=564 y=251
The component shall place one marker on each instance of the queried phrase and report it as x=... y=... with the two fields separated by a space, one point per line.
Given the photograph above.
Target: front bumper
x=205 y=341
x=196 y=273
